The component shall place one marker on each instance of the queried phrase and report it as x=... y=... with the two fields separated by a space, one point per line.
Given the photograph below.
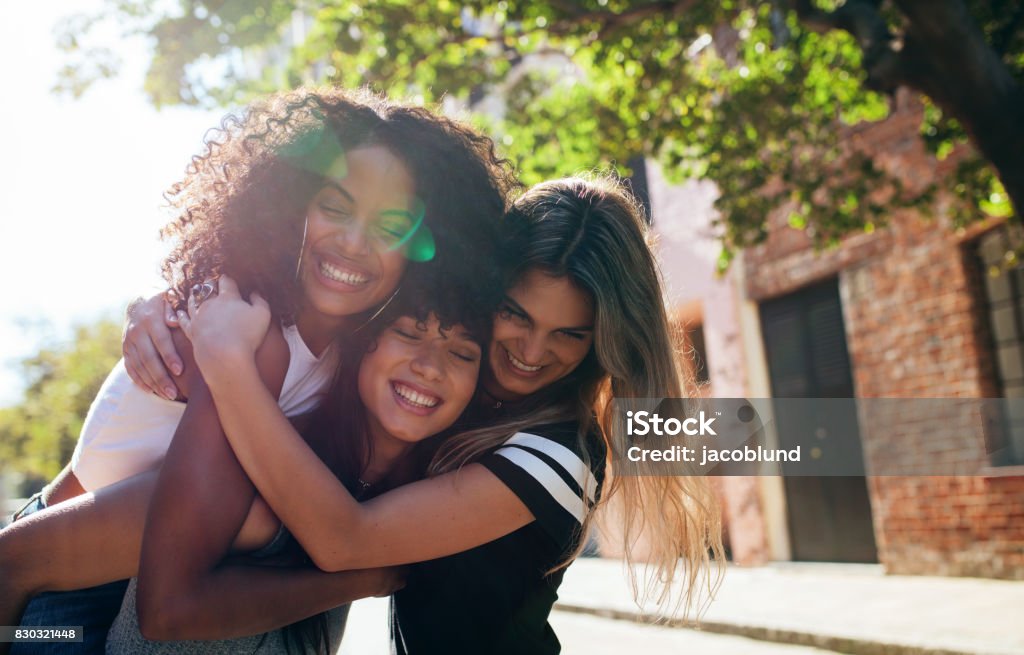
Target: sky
x=81 y=186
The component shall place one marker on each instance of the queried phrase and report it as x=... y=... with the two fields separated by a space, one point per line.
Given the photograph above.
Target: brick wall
x=913 y=309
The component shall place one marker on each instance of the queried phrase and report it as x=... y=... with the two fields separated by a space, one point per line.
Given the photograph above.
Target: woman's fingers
x=193 y=307
x=158 y=351
x=185 y=321
x=139 y=375
x=152 y=362
x=222 y=324
x=170 y=316
x=148 y=348
x=256 y=300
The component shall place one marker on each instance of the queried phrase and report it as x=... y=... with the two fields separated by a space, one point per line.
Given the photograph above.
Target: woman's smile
x=415 y=398
x=339 y=273
x=518 y=367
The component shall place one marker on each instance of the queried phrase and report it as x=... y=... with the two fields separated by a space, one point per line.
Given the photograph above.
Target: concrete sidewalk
x=847 y=608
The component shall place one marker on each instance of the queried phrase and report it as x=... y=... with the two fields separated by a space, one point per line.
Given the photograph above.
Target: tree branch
x=607 y=21
x=863 y=20
x=966 y=78
x=1001 y=40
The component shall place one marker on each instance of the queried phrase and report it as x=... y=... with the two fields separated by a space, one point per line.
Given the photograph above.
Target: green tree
x=748 y=93
x=38 y=435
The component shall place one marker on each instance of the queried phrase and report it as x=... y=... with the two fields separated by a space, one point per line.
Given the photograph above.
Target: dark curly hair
x=241 y=211
x=242 y=204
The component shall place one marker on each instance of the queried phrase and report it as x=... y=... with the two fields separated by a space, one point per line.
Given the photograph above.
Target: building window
x=1004 y=306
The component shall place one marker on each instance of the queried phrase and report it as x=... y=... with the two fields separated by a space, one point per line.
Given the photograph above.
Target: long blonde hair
x=593 y=231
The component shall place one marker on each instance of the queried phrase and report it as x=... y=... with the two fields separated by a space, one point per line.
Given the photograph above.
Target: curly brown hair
x=241 y=207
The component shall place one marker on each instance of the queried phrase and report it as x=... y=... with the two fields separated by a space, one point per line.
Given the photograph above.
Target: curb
x=849 y=645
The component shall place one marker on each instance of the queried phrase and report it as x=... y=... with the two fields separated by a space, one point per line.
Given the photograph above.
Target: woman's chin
x=513 y=387
x=408 y=436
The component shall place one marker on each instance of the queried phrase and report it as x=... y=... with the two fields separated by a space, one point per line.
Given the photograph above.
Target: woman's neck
x=318 y=331
x=386 y=452
x=487 y=400
x=493 y=394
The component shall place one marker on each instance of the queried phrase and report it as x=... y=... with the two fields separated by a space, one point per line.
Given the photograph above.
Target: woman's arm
x=96 y=538
x=78 y=542
x=89 y=540
x=199 y=504
x=424 y=520
x=419 y=521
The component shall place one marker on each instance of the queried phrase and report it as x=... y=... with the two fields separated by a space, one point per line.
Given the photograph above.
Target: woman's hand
x=225 y=329
x=149 y=353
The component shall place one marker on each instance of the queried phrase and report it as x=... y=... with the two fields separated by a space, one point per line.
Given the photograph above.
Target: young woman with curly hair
x=406 y=376
x=321 y=202
x=505 y=503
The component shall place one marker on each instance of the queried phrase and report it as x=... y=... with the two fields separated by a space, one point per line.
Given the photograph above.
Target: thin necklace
x=363 y=486
x=492 y=402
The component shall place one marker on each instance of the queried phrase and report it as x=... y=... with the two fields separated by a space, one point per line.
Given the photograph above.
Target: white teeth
x=415 y=397
x=521 y=365
x=335 y=273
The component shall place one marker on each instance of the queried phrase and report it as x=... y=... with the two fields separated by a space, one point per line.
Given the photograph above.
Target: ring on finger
x=201 y=292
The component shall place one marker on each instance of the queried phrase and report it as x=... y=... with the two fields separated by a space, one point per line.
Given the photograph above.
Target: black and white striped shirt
x=496 y=598
x=551 y=479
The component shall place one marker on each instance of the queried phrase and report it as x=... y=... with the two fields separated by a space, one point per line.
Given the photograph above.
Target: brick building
x=908 y=311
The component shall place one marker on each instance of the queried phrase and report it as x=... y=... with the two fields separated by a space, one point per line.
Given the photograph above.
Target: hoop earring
x=379 y=310
x=302 y=249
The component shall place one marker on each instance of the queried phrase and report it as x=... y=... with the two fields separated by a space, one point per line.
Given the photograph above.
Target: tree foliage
x=751 y=94
x=38 y=435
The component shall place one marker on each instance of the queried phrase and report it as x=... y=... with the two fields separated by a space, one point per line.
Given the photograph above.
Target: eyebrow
x=519 y=308
x=337 y=187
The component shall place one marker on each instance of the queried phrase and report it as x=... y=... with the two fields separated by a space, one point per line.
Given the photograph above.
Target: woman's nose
x=428 y=364
x=352 y=238
x=534 y=346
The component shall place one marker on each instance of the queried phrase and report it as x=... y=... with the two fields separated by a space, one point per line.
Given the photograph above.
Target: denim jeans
x=94 y=609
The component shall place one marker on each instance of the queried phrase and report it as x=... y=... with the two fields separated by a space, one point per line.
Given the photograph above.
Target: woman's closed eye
x=335 y=212
x=393 y=225
x=578 y=336
x=465 y=356
x=406 y=334
x=510 y=313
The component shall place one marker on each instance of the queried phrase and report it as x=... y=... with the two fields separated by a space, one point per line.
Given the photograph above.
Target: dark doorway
x=805 y=343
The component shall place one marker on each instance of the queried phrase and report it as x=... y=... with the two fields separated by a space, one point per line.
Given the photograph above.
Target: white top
x=128 y=429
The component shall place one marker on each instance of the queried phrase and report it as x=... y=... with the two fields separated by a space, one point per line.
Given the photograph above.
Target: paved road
x=367 y=635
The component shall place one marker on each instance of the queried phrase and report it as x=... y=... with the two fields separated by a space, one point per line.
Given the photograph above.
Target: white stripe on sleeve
x=553 y=483
x=572 y=464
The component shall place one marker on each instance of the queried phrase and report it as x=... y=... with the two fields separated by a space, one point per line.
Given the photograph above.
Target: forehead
x=432 y=326
x=373 y=174
x=553 y=301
